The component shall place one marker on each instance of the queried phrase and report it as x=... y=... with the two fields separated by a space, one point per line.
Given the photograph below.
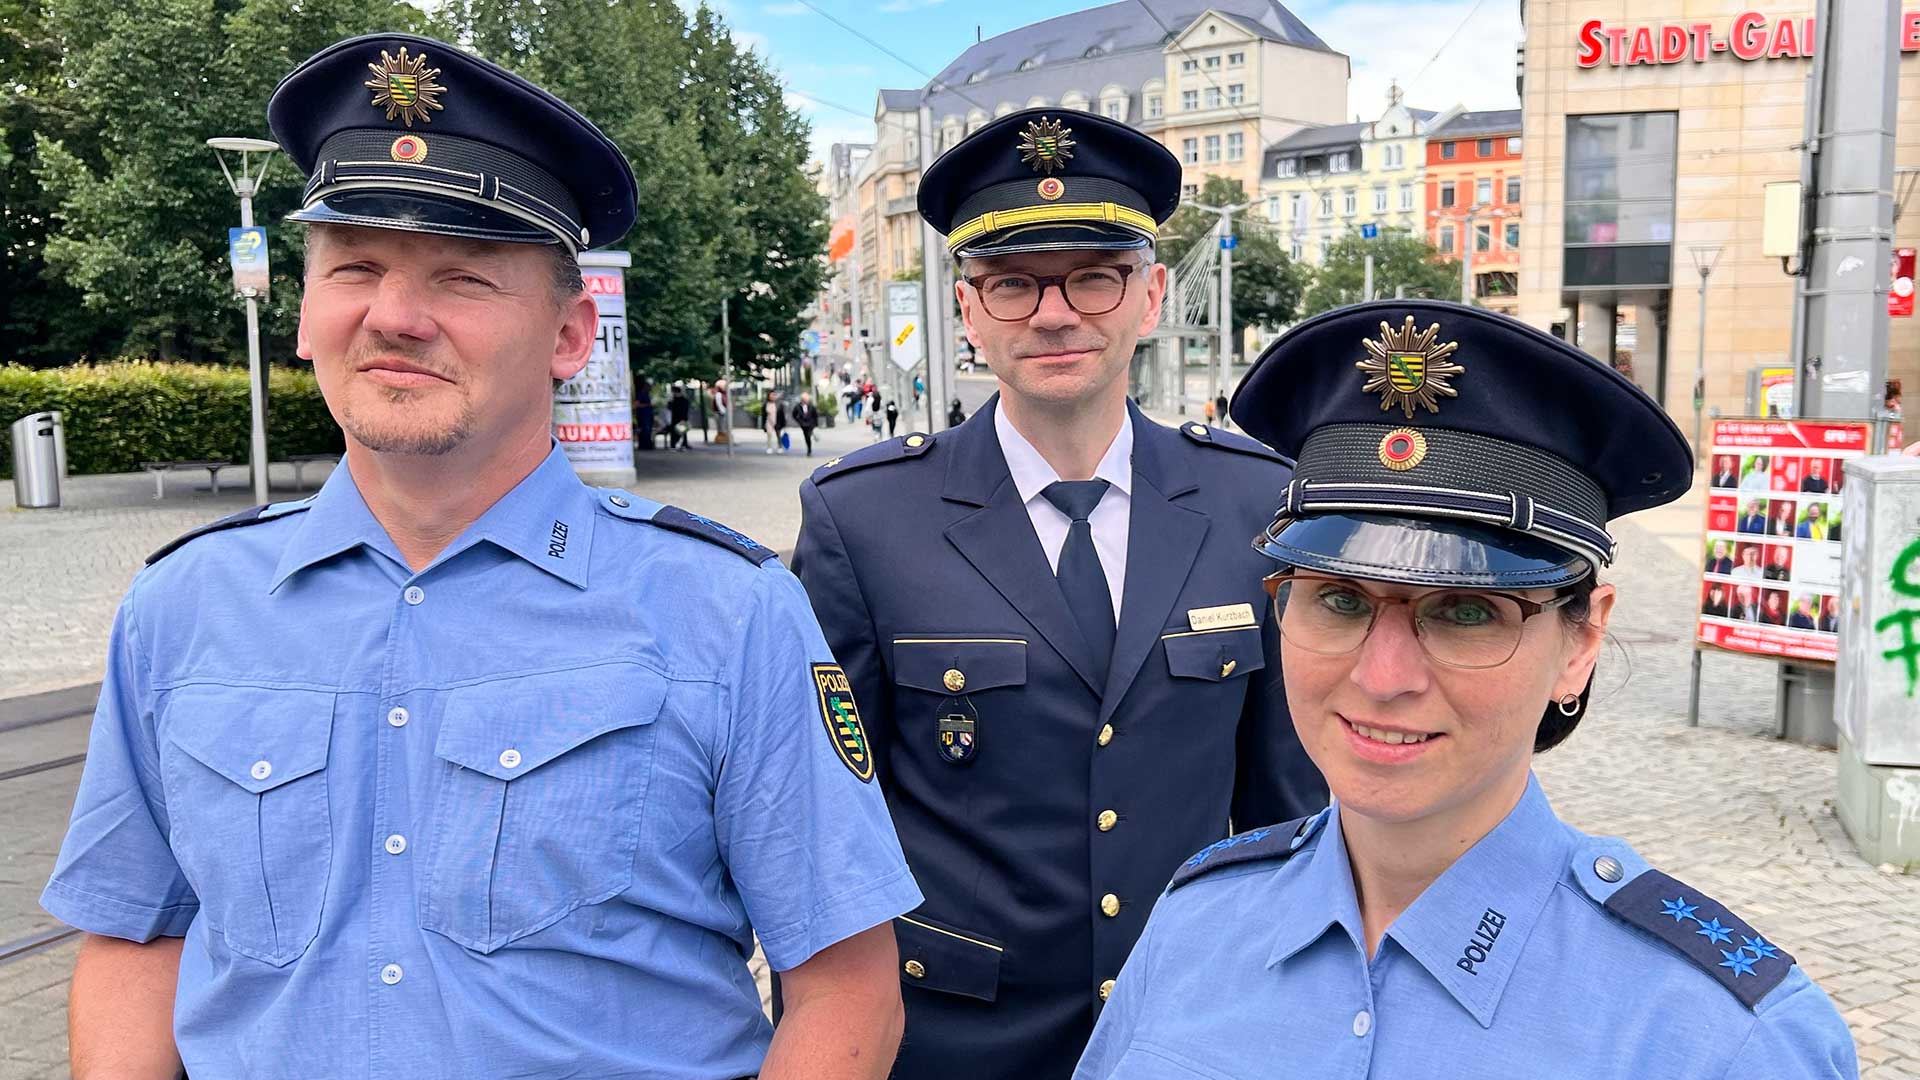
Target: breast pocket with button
x=538 y=803
x=245 y=771
x=1214 y=655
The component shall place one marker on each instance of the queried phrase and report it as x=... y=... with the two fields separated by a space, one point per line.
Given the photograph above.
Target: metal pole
x=256 y=379
x=1693 y=692
x=1226 y=305
x=1466 y=259
x=726 y=376
x=1700 y=405
x=1366 y=290
x=936 y=295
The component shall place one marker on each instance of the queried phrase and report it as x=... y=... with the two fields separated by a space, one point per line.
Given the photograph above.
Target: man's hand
x=120 y=1009
x=842 y=1014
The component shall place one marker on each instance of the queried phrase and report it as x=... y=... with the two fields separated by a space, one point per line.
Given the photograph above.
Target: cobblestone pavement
x=1724 y=807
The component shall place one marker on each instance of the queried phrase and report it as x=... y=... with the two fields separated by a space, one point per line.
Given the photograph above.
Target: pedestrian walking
x=1056 y=615
x=893 y=418
x=875 y=418
x=955 y=414
x=806 y=415
x=771 y=419
x=643 y=408
x=1220 y=409
x=1206 y=410
x=1439 y=910
x=498 y=817
x=679 y=408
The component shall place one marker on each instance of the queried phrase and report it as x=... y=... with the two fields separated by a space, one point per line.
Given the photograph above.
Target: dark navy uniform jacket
x=1041 y=854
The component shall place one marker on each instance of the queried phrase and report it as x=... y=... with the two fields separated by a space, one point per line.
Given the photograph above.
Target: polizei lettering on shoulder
x=1480 y=946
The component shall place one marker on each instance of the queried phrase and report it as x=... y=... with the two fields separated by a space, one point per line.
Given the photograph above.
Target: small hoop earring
x=1569 y=705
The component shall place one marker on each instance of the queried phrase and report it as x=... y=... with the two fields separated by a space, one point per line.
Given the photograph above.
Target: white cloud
x=1474 y=69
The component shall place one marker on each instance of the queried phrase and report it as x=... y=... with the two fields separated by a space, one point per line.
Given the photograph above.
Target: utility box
x=1877 y=679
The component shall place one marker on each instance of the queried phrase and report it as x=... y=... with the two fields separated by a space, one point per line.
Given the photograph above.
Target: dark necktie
x=1082 y=579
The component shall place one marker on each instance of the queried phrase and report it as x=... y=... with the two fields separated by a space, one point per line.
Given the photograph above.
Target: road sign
x=810 y=340
x=1369 y=231
x=1228 y=243
x=903 y=317
x=247 y=250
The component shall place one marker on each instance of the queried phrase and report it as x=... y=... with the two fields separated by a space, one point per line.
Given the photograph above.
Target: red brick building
x=1473 y=200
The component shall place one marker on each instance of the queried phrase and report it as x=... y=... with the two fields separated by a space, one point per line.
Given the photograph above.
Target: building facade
x=1473 y=196
x=887 y=235
x=1651 y=132
x=1321 y=183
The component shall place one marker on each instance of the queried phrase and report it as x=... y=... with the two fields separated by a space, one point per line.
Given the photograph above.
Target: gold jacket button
x=954 y=679
x=1106 y=989
x=1110 y=905
x=1107 y=820
x=916 y=969
x=1106 y=734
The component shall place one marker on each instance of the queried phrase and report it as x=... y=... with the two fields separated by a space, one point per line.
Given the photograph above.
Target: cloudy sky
x=1443 y=53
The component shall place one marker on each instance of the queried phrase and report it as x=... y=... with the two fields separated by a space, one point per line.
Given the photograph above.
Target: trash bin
x=38 y=454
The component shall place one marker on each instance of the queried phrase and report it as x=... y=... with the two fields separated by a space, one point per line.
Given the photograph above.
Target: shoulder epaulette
x=1276 y=842
x=900 y=449
x=1718 y=942
x=253 y=515
x=674 y=519
x=1208 y=435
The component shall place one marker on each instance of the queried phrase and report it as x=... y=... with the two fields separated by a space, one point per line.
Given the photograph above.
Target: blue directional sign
x=1369 y=231
x=1228 y=243
x=810 y=340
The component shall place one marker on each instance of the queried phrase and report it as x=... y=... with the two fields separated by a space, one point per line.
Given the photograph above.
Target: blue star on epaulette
x=1679 y=909
x=1738 y=962
x=1713 y=931
x=1760 y=947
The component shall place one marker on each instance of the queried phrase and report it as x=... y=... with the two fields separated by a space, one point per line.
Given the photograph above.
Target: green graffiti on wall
x=1899 y=579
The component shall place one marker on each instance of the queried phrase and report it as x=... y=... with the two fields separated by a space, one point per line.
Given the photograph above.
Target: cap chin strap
x=1060 y=213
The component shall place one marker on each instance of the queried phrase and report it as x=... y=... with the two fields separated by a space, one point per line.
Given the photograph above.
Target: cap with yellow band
x=1050 y=180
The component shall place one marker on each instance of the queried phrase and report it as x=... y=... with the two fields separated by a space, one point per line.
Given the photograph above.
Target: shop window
x=1620 y=177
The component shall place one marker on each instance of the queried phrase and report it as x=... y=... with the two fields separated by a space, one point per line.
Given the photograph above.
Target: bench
x=160 y=469
x=301 y=461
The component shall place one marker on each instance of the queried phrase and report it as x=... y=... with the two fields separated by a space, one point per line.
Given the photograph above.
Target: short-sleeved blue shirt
x=1510 y=965
x=519 y=813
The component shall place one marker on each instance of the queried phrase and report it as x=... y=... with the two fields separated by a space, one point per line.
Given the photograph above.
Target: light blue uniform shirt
x=1509 y=965
x=518 y=814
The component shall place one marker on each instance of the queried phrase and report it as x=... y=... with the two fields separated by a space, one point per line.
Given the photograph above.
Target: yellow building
x=1321 y=183
x=1651 y=130
x=887 y=233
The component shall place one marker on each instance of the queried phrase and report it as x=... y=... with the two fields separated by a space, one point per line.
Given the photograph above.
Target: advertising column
x=593 y=411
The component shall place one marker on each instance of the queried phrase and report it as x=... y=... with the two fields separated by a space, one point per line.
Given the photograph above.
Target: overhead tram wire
x=933 y=81
x=1471 y=12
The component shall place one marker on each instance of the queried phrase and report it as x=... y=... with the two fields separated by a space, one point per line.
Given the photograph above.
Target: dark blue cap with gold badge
x=1050 y=180
x=404 y=132
x=1439 y=444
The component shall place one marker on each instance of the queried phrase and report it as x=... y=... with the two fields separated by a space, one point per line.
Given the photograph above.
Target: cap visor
x=422 y=213
x=1416 y=551
x=1058 y=237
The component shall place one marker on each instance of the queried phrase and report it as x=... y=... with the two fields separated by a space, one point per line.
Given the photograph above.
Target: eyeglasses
x=1015 y=296
x=1456 y=628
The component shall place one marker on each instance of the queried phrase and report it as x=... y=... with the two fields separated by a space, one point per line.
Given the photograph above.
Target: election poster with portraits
x=1770 y=556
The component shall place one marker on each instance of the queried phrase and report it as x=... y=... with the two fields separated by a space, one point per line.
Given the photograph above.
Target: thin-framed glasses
x=1461 y=628
x=1014 y=296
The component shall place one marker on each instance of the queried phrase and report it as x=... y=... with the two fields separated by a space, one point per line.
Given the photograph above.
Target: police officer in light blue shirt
x=429 y=775
x=1439 y=622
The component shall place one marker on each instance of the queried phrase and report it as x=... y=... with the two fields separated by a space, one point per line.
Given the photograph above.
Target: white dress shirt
x=1032 y=474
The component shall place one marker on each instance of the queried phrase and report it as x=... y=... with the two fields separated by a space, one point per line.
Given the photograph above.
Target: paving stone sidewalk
x=1724 y=807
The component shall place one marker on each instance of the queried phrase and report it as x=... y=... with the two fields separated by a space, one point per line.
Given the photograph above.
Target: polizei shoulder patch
x=842 y=717
x=1718 y=942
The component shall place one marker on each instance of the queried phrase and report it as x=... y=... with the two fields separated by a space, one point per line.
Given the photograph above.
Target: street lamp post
x=1704 y=256
x=244 y=186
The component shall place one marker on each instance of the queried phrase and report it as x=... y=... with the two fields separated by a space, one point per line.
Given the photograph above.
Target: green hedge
x=120 y=414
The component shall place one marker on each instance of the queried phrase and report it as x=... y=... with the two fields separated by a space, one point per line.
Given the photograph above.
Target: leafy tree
x=1400 y=260
x=142 y=210
x=1267 y=284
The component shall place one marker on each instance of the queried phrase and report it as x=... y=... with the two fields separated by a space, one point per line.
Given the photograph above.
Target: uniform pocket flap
x=974 y=663
x=1214 y=655
x=936 y=957
x=509 y=728
x=259 y=737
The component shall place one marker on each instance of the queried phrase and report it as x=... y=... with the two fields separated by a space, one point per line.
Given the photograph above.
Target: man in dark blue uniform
x=1052 y=612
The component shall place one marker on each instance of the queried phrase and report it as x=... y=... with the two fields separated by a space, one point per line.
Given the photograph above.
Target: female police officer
x=1440 y=620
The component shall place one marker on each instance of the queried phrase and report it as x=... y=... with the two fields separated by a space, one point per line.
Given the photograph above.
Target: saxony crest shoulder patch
x=842 y=717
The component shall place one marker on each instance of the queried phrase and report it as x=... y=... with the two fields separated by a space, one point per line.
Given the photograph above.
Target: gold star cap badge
x=405 y=87
x=1046 y=145
x=1408 y=367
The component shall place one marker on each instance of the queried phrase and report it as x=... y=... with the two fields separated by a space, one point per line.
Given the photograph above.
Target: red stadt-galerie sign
x=1751 y=35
